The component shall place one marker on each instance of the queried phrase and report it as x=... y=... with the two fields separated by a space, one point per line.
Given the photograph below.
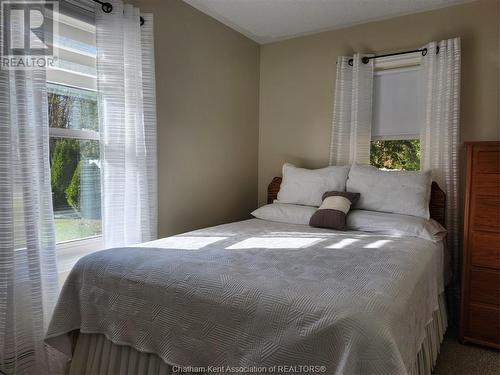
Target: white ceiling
x=267 y=21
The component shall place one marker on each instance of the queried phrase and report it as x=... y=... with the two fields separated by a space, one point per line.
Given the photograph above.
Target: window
x=74 y=133
x=396 y=154
x=74 y=162
x=397 y=119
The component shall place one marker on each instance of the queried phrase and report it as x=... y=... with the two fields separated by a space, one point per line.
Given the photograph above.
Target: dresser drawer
x=487 y=184
x=486 y=161
x=485 y=249
x=483 y=323
x=486 y=213
x=485 y=286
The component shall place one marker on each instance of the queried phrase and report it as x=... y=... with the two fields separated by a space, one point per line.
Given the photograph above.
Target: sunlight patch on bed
x=377 y=244
x=183 y=242
x=275 y=243
x=343 y=243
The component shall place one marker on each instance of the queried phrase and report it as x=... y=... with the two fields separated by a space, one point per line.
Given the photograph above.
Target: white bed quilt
x=259 y=293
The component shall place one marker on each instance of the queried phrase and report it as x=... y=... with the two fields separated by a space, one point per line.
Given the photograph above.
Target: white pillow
x=307 y=186
x=285 y=213
x=400 y=192
x=395 y=225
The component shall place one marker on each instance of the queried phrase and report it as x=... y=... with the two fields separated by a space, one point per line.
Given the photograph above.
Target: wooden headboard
x=436 y=205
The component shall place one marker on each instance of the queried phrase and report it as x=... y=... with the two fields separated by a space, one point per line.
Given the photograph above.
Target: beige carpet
x=458 y=359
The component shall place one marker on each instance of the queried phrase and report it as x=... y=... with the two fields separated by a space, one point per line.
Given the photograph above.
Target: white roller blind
x=397 y=104
x=76 y=65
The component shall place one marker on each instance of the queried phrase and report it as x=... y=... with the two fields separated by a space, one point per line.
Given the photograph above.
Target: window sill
x=69 y=252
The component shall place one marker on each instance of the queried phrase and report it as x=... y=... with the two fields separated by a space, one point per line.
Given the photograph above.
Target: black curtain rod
x=108 y=8
x=366 y=59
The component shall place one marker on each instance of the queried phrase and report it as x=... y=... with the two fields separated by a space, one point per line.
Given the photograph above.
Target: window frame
x=68 y=252
x=91 y=135
x=395 y=137
x=392 y=63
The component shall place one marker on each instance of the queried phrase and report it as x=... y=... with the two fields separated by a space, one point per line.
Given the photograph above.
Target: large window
x=74 y=136
x=397 y=119
x=74 y=158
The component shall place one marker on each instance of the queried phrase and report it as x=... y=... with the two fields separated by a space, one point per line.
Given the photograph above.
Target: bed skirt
x=94 y=354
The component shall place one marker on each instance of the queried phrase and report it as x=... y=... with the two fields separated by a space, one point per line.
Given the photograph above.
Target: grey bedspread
x=257 y=293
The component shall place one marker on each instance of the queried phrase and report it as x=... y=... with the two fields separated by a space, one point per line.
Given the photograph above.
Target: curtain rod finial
x=106 y=7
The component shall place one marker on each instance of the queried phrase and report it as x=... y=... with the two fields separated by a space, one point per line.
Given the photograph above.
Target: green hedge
x=64 y=164
x=73 y=190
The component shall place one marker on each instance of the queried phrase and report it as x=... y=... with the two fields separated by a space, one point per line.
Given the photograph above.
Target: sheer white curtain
x=352 y=112
x=440 y=135
x=127 y=115
x=28 y=272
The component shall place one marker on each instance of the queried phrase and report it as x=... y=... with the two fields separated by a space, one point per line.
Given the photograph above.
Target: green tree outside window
x=396 y=154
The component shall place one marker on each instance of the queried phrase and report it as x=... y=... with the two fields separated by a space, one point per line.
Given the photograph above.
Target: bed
x=257 y=296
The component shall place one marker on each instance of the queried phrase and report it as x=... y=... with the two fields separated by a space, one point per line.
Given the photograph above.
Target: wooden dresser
x=480 y=302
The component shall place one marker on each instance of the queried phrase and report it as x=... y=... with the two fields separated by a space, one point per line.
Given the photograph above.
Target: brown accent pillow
x=333 y=211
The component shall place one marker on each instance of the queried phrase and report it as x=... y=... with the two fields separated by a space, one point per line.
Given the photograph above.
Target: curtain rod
x=366 y=59
x=108 y=8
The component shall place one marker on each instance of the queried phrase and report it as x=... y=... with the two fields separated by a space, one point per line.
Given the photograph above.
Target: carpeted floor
x=458 y=359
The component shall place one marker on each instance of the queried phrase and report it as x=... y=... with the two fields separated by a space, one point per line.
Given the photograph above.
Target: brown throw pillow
x=332 y=212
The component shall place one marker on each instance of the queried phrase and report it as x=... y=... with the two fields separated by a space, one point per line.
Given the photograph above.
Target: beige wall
x=210 y=143
x=297 y=80
x=207 y=82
